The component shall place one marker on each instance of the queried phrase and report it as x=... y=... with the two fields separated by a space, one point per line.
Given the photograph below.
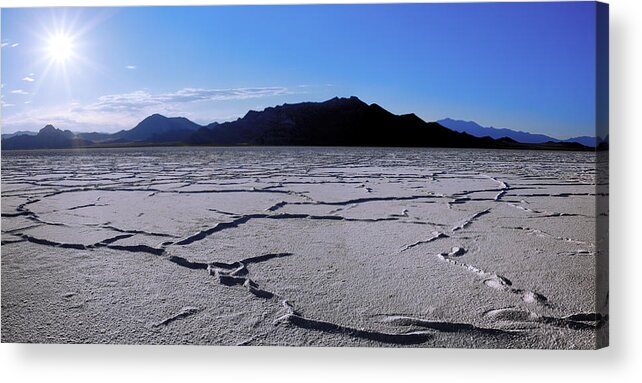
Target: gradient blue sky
x=525 y=66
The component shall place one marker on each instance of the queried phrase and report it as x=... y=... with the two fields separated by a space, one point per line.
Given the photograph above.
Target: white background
x=622 y=361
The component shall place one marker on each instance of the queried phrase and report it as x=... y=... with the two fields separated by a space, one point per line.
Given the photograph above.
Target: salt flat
x=302 y=246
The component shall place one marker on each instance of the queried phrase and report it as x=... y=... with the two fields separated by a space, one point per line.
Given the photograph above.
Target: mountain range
x=477 y=130
x=47 y=138
x=19 y=133
x=335 y=122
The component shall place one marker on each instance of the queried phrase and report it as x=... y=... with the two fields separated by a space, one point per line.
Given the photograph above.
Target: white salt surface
x=301 y=246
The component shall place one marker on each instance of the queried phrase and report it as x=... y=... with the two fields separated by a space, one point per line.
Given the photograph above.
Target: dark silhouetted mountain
x=158 y=129
x=336 y=122
x=47 y=138
x=477 y=130
x=19 y=133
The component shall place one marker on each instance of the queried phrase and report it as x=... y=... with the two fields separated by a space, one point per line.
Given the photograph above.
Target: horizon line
x=36 y=130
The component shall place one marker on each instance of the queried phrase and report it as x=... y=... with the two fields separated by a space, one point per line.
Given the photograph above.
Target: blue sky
x=525 y=66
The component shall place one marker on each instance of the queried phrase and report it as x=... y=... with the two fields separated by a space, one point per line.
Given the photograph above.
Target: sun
x=60 y=48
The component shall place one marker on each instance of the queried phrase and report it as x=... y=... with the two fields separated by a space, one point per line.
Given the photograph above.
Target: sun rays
x=63 y=50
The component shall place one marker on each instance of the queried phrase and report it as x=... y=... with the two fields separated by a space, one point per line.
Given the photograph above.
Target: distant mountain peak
x=153 y=118
x=159 y=128
x=474 y=129
x=351 y=99
x=157 y=115
x=48 y=129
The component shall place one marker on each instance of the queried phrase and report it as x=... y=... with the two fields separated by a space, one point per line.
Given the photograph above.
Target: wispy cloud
x=8 y=43
x=197 y=94
x=29 y=78
x=130 y=67
x=3 y=103
x=19 y=91
x=135 y=101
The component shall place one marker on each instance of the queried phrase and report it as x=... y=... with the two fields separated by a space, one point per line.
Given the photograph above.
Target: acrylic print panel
x=391 y=175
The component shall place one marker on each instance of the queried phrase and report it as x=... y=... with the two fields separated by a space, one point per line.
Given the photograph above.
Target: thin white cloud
x=197 y=94
x=130 y=67
x=8 y=43
x=3 y=103
x=27 y=102
x=135 y=101
x=28 y=79
x=19 y=91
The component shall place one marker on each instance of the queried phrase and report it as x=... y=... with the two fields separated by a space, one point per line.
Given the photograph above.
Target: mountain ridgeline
x=473 y=128
x=47 y=138
x=336 y=122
